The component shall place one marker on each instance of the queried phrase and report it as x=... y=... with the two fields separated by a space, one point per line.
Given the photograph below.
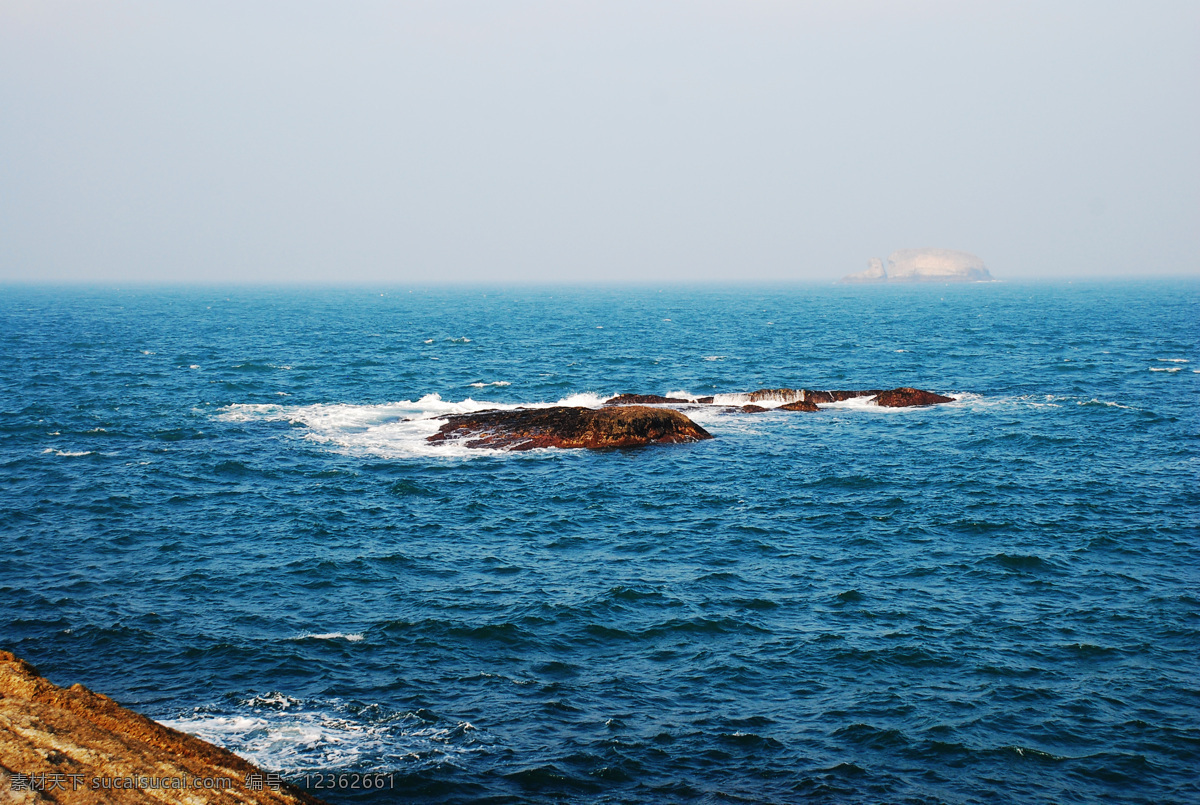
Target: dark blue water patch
x=989 y=601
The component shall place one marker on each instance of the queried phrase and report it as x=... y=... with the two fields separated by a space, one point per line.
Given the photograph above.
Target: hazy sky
x=614 y=141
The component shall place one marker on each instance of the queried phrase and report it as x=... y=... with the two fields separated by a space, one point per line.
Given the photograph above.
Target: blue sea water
x=218 y=507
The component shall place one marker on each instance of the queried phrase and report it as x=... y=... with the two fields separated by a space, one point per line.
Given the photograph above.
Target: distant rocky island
x=923 y=265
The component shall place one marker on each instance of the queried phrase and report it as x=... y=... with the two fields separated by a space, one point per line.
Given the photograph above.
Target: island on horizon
x=923 y=265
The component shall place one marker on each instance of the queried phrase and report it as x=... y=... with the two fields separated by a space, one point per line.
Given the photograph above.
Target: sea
x=219 y=507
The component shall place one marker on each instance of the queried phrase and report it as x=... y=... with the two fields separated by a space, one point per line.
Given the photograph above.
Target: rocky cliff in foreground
x=923 y=265
x=75 y=747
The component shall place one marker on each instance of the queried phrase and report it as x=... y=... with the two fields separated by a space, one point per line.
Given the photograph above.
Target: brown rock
x=752 y=409
x=800 y=405
x=569 y=427
x=906 y=396
x=643 y=399
x=57 y=732
x=704 y=400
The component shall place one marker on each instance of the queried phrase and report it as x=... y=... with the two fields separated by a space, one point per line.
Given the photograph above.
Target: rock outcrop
x=799 y=405
x=907 y=396
x=924 y=265
x=626 y=420
x=786 y=399
x=834 y=396
x=643 y=399
x=75 y=747
x=569 y=426
x=788 y=396
x=875 y=273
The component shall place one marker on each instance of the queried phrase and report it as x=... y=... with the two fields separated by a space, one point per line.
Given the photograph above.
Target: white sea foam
x=1172 y=360
x=351 y=638
x=743 y=398
x=428 y=341
x=585 y=399
x=389 y=430
x=289 y=736
x=69 y=453
x=459 y=340
x=860 y=403
x=1105 y=403
x=714 y=357
x=493 y=383
x=718 y=420
x=194 y=366
x=783 y=397
x=401 y=429
x=1171 y=369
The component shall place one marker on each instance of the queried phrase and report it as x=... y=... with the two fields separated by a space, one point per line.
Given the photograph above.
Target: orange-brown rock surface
x=570 y=426
x=800 y=405
x=75 y=747
x=643 y=399
x=905 y=397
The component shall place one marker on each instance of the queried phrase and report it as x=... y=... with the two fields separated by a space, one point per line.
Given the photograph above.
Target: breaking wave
x=295 y=737
x=388 y=430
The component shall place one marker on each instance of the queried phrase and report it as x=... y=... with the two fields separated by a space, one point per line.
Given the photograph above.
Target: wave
x=68 y=453
x=1166 y=368
x=387 y=430
x=401 y=429
x=1106 y=404
x=1038 y=401
x=291 y=736
x=350 y=638
x=1172 y=360
x=769 y=398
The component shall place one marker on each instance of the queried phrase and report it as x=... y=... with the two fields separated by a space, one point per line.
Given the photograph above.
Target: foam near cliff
x=76 y=747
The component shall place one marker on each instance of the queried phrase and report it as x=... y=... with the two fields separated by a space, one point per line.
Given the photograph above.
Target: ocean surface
x=218 y=507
